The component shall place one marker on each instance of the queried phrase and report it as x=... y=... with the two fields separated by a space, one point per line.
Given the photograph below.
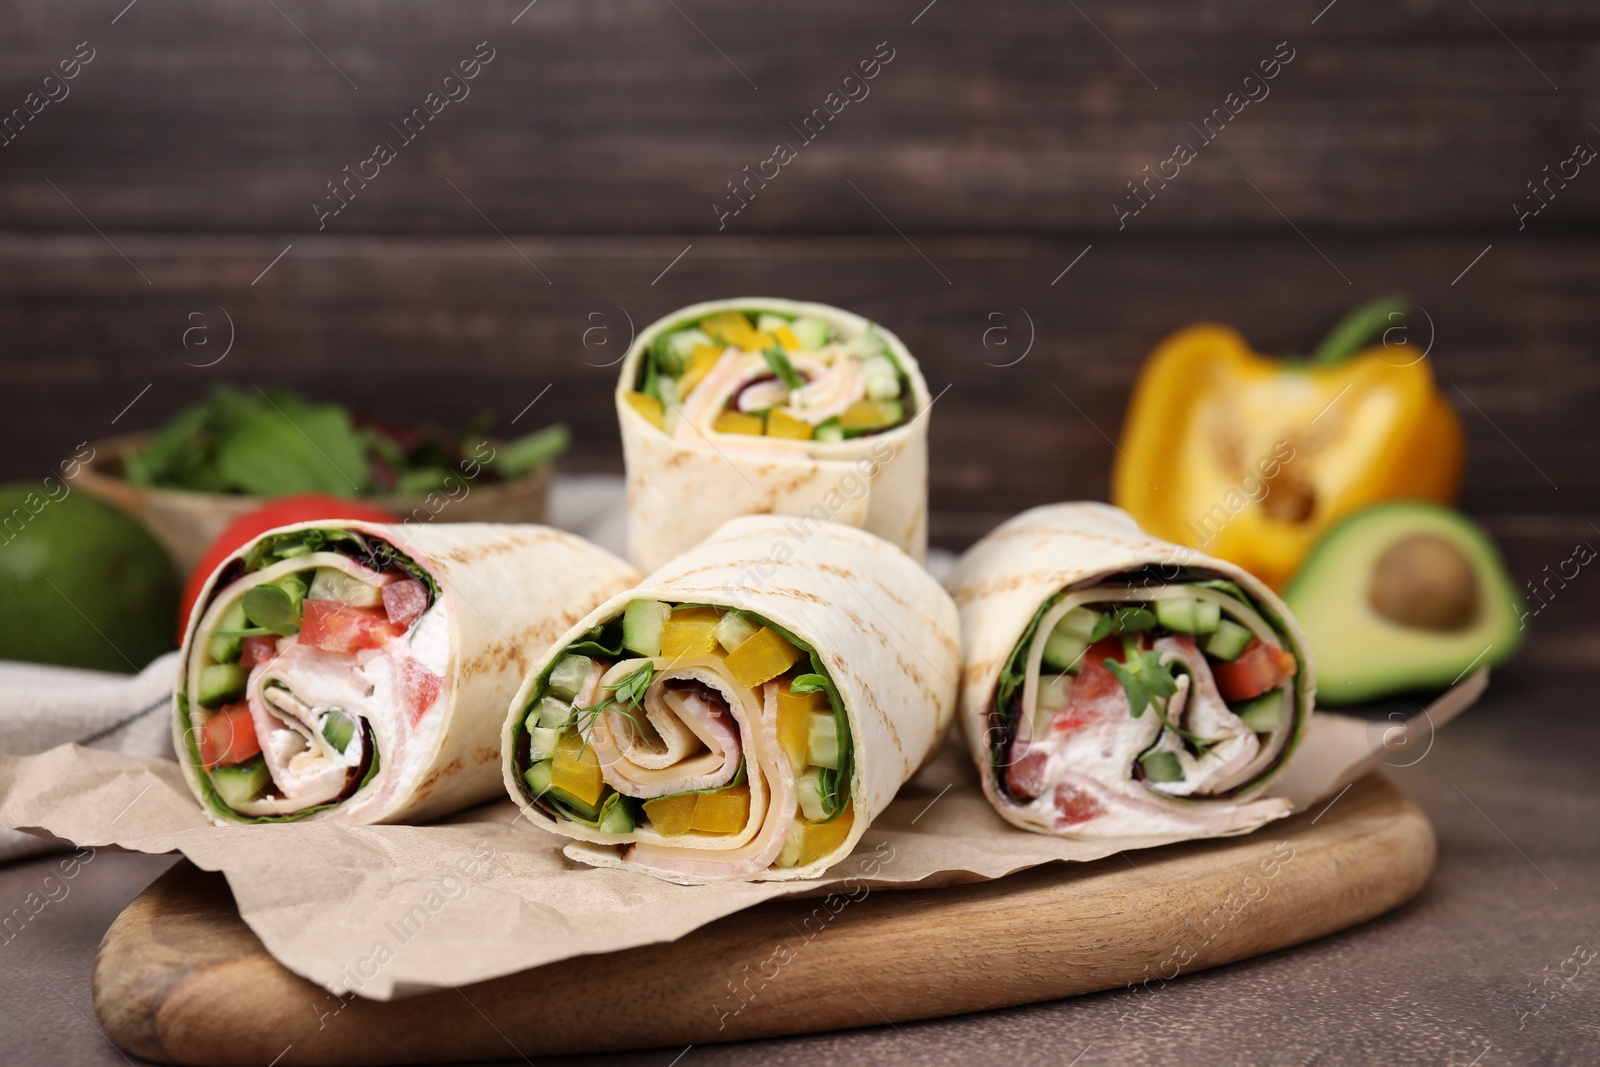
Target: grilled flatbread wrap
x=745 y=713
x=1119 y=686
x=767 y=406
x=360 y=671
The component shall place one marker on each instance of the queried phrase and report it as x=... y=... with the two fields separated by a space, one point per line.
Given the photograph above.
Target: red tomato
x=1259 y=669
x=404 y=600
x=418 y=688
x=1096 y=694
x=229 y=736
x=335 y=627
x=1075 y=805
x=1025 y=777
x=258 y=650
x=284 y=511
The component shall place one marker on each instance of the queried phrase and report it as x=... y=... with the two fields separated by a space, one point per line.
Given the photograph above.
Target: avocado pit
x=1425 y=582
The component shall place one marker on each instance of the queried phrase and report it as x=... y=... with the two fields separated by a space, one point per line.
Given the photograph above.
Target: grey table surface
x=1493 y=963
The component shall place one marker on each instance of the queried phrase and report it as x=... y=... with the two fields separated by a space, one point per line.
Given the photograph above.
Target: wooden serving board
x=179 y=978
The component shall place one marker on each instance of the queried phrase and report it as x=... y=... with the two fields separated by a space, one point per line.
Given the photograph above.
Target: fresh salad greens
x=270 y=442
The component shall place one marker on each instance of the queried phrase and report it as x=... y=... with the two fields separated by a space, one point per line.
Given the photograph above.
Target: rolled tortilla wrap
x=1071 y=615
x=829 y=423
x=360 y=671
x=746 y=712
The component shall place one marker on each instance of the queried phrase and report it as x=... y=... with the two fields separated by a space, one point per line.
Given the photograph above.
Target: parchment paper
x=388 y=911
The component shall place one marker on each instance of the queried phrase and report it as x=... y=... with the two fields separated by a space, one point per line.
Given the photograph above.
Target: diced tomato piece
x=1075 y=805
x=418 y=687
x=1260 y=668
x=1094 y=681
x=404 y=601
x=1025 y=776
x=335 y=627
x=229 y=736
x=258 y=650
x=1096 y=693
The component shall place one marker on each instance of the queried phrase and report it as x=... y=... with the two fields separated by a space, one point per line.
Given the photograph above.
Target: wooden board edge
x=180 y=979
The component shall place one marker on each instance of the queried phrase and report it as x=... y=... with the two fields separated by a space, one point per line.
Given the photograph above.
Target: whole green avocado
x=81 y=583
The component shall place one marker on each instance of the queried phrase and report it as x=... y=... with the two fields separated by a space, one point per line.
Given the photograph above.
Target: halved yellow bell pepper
x=1252 y=458
x=762 y=657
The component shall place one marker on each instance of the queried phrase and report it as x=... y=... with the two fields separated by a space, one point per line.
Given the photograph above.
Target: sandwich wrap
x=1123 y=687
x=767 y=406
x=360 y=671
x=746 y=712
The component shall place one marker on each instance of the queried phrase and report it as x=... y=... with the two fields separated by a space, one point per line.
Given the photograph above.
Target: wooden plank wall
x=596 y=140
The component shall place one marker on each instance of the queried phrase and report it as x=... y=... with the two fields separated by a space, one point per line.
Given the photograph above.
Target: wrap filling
x=699 y=740
x=1129 y=701
x=764 y=377
x=318 y=650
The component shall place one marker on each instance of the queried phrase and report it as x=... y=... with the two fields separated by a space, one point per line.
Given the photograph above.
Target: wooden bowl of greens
x=220 y=459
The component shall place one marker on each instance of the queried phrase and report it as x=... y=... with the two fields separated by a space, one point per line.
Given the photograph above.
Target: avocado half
x=1403 y=596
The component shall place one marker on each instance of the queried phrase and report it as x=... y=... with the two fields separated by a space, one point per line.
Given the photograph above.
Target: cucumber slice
x=793 y=841
x=1161 y=767
x=811 y=333
x=868 y=344
x=574 y=804
x=733 y=630
x=338 y=729
x=1227 y=642
x=221 y=683
x=568 y=676
x=552 y=714
x=829 y=430
x=241 y=783
x=808 y=787
x=1265 y=713
x=767 y=322
x=226 y=649
x=276 y=607
x=1189 y=615
x=883 y=381
x=1176 y=613
x=1063 y=651
x=542 y=742
x=331 y=583
x=615 y=818
x=822 y=739
x=642 y=623
x=681 y=346
x=538 y=778
x=1074 y=633
x=893 y=411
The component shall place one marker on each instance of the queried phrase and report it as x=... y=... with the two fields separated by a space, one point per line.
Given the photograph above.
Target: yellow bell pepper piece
x=738 y=422
x=732 y=327
x=690 y=632
x=785 y=337
x=724 y=811
x=821 y=838
x=781 y=424
x=701 y=360
x=762 y=657
x=862 y=415
x=576 y=768
x=1252 y=459
x=794 y=729
x=650 y=408
x=671 y=815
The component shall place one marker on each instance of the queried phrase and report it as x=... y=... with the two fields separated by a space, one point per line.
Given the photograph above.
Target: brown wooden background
x=991 y=149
